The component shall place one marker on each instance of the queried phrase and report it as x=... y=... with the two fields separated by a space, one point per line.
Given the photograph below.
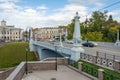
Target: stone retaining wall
x=46 y=65
x=18 y=73
x=60 y=61
x=6 y=73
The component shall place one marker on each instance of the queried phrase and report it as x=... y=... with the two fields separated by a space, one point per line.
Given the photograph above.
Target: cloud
x=38 y=16
x=9 y=0
x=42 y=7
x=20 y=16
x=67 y=13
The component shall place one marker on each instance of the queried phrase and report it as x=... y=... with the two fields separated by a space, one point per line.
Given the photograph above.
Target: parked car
x=88 y=44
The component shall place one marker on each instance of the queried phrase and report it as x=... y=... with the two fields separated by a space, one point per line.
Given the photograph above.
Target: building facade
x=9 y=32
x=47 y=33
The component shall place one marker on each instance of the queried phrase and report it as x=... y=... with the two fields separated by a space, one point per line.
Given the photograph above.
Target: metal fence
x=103 y=60
x=90 y=70
x=107 y=56
x=109 y=76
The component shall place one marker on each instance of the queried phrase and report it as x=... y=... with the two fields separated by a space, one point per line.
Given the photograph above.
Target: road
x=102 y=47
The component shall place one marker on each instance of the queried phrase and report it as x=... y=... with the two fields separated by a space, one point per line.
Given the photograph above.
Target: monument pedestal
x=77 y=38
x=31 y=45
x=76 y=51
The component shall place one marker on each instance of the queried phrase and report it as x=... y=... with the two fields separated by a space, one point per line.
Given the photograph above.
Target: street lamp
x=26 y=60
x=28 y=33
x=60 y=32
x=56 y=56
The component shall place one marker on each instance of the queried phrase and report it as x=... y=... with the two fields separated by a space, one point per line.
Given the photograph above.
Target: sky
x=51 y=13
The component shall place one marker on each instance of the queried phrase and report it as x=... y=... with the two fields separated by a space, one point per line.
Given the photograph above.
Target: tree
x=93 y=36
x=70 y=28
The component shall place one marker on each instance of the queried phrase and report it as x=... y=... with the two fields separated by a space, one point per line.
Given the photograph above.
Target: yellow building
x=47 y=33
x=9 y=32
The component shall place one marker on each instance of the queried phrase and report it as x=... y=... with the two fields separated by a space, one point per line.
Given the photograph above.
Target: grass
x=11 y=54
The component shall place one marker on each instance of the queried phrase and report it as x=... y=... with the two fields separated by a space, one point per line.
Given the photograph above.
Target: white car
x=69 y=41
x=95 y=44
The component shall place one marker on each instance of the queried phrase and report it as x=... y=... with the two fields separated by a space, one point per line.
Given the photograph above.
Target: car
x=88 y=44
x=95 y=44
x=69 y=41
x=52 y=40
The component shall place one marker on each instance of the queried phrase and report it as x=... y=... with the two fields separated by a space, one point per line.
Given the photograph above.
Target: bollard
x=100 y=74
x=80 y=66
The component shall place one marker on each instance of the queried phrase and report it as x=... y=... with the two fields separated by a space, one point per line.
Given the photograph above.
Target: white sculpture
x=77 y=34
x=77 y=49
x=117 y=41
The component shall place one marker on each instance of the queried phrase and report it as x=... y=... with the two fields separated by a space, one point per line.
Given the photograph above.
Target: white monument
x=77 y=49
x=117 y=41
x=31 y=40
x=77 y=34
x=66 y=34
x=60 y=32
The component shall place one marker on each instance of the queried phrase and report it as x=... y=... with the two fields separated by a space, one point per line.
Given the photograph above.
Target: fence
x=109 y=76
x=107 y=56
x=103 y=60
x=98 y=73
x=90 y=70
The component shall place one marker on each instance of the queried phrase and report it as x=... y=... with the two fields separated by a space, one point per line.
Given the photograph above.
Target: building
x=9 y=32
x=47 y=33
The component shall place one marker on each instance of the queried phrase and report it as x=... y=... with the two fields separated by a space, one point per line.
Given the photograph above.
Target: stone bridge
x=72 y=53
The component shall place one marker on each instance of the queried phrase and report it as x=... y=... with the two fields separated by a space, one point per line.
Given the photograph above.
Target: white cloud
x=20 y=16
x=67 y=13
x=9 y=0
x=42 y=7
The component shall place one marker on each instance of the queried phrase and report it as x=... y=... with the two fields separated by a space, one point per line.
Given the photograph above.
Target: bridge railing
x=102 y=61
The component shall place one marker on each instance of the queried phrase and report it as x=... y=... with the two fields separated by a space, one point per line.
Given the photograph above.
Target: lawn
x=11 y=54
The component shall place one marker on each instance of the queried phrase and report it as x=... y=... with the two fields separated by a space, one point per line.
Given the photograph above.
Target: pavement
x=62 y=73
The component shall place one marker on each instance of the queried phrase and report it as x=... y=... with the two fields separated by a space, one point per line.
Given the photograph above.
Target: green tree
x=70 y=28
x=93 y=36
x=97 y=21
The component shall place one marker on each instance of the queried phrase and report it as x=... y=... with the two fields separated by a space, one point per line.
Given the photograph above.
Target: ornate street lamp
x=56 y=56
x=26 y=60
x=60 y=33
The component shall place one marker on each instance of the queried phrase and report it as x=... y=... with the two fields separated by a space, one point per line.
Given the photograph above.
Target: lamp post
x=28 y=33
x=60 y=32
x=26 y=60
x=56 y=56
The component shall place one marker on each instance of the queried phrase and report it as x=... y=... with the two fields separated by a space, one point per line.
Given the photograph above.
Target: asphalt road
x=108 y=48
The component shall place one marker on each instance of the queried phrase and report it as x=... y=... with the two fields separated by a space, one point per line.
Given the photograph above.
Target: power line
x=109 y=5
x=105 y=7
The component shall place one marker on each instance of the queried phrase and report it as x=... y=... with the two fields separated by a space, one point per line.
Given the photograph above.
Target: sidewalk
x=62 y=73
